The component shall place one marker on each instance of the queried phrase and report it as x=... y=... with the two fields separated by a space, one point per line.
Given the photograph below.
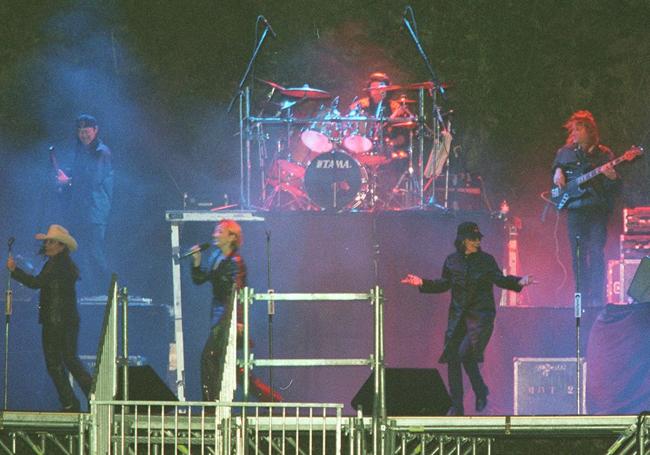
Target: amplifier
x=635 y=246
x=619 y=277
x=636 y=220
x=547 y=386
x=150 y=329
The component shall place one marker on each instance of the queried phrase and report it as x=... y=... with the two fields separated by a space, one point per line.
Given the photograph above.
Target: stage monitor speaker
x=409 y=392
x=145 y=385
x=639 y=288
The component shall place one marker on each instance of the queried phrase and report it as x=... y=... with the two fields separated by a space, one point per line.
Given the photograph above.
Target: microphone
x=10 y=242
x=191 y=251
x=269 y=26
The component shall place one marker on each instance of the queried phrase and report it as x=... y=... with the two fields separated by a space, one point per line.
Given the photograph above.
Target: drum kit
x=323 y=160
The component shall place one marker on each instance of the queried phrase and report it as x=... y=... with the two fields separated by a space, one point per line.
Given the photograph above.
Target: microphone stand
x=270 y=308
x=8 y=310
x=437 y=87
x=577 y=308
x=244 y=115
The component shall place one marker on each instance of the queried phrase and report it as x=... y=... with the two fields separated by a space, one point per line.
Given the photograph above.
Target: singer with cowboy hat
x=58 y=313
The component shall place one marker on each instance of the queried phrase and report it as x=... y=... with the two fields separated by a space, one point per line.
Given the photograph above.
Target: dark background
x=159 y=76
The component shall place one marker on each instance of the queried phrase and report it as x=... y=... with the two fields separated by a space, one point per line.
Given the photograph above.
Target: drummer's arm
x=398 y=109
x=360 y=103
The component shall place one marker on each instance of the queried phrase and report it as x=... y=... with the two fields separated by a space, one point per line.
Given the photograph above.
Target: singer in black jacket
x=226 y=271
x=58 y=313
x=470 y=275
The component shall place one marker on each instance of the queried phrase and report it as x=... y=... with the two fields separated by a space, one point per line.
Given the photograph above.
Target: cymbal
x=305 y=92
x=385 y=88
x=404 y=100
x=298 y=92
x=272 y=84
x=405 y=124
x=426 y=85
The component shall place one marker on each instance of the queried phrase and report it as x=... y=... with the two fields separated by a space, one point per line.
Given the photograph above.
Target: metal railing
x=374 y=361
x=146 y=427
x=105 y=377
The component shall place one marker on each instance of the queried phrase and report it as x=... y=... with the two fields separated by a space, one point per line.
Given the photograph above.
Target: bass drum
x=335 y=181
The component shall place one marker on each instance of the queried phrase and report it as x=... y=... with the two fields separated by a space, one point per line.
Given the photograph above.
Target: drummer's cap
x=379 y=77
x=86 y=121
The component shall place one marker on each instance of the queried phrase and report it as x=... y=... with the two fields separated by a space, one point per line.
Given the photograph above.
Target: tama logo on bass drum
x=333 y=164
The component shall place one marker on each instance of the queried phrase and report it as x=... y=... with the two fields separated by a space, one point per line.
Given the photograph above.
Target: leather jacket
x=58 y=296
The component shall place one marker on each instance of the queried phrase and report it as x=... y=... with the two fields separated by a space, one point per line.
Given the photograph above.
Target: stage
x=30 y=432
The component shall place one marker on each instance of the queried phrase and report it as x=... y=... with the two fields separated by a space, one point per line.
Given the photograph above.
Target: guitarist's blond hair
x=586 y=119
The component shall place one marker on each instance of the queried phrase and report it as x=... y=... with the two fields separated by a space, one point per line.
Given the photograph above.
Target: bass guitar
x=574 y=189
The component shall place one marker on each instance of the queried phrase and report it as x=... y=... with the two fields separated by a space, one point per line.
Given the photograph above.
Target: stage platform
x=29 y=432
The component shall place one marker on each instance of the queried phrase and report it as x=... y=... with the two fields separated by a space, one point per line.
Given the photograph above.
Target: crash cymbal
x=272 y=84
x=305 y=92
x=385 y=88
x=426 y=85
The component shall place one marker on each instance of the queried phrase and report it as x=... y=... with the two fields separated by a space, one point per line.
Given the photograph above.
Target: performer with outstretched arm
x=470 y=274
x=58 y=313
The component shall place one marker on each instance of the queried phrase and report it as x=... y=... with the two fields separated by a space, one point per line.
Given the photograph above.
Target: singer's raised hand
x=196 y=257
x=11 y=263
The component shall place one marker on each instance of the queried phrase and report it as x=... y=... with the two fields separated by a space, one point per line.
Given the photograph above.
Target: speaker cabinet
x=145 y=385
x=409 y=392
x=639 y=288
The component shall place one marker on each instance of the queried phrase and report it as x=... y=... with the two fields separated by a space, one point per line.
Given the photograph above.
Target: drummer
x=376 y=103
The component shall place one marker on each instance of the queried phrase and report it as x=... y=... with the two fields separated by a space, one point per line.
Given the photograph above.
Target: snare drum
x=336 y=181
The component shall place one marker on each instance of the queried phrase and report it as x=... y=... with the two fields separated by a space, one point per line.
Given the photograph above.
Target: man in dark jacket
x=226 y=271
x=588 y=215
x=470 y=273
x=58 y=313
x=91 y=185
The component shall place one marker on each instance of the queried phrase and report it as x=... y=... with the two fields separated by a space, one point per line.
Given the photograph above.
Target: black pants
x=213 y=358
x=60 y=351
x=93 y=267
x=589 y=263
x=461 y=353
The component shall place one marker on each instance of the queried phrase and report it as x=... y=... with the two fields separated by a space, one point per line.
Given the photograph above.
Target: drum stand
x=408 y=184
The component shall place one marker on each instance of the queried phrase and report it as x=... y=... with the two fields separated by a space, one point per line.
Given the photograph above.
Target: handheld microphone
x=193 y=250
x=269 y=26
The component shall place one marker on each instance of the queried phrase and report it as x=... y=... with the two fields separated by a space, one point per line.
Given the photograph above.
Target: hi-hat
x=404 y=100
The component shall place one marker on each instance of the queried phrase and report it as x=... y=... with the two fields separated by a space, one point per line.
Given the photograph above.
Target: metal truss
x=634 y=440
x=417 y=443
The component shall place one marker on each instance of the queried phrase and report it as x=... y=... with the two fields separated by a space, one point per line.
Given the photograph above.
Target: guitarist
x=90 y=183
x=589 y=214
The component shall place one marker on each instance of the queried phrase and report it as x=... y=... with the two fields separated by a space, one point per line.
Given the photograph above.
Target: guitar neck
x=599 y=170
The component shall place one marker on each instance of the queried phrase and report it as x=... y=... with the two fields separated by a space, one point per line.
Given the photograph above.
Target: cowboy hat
x=60 y=234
